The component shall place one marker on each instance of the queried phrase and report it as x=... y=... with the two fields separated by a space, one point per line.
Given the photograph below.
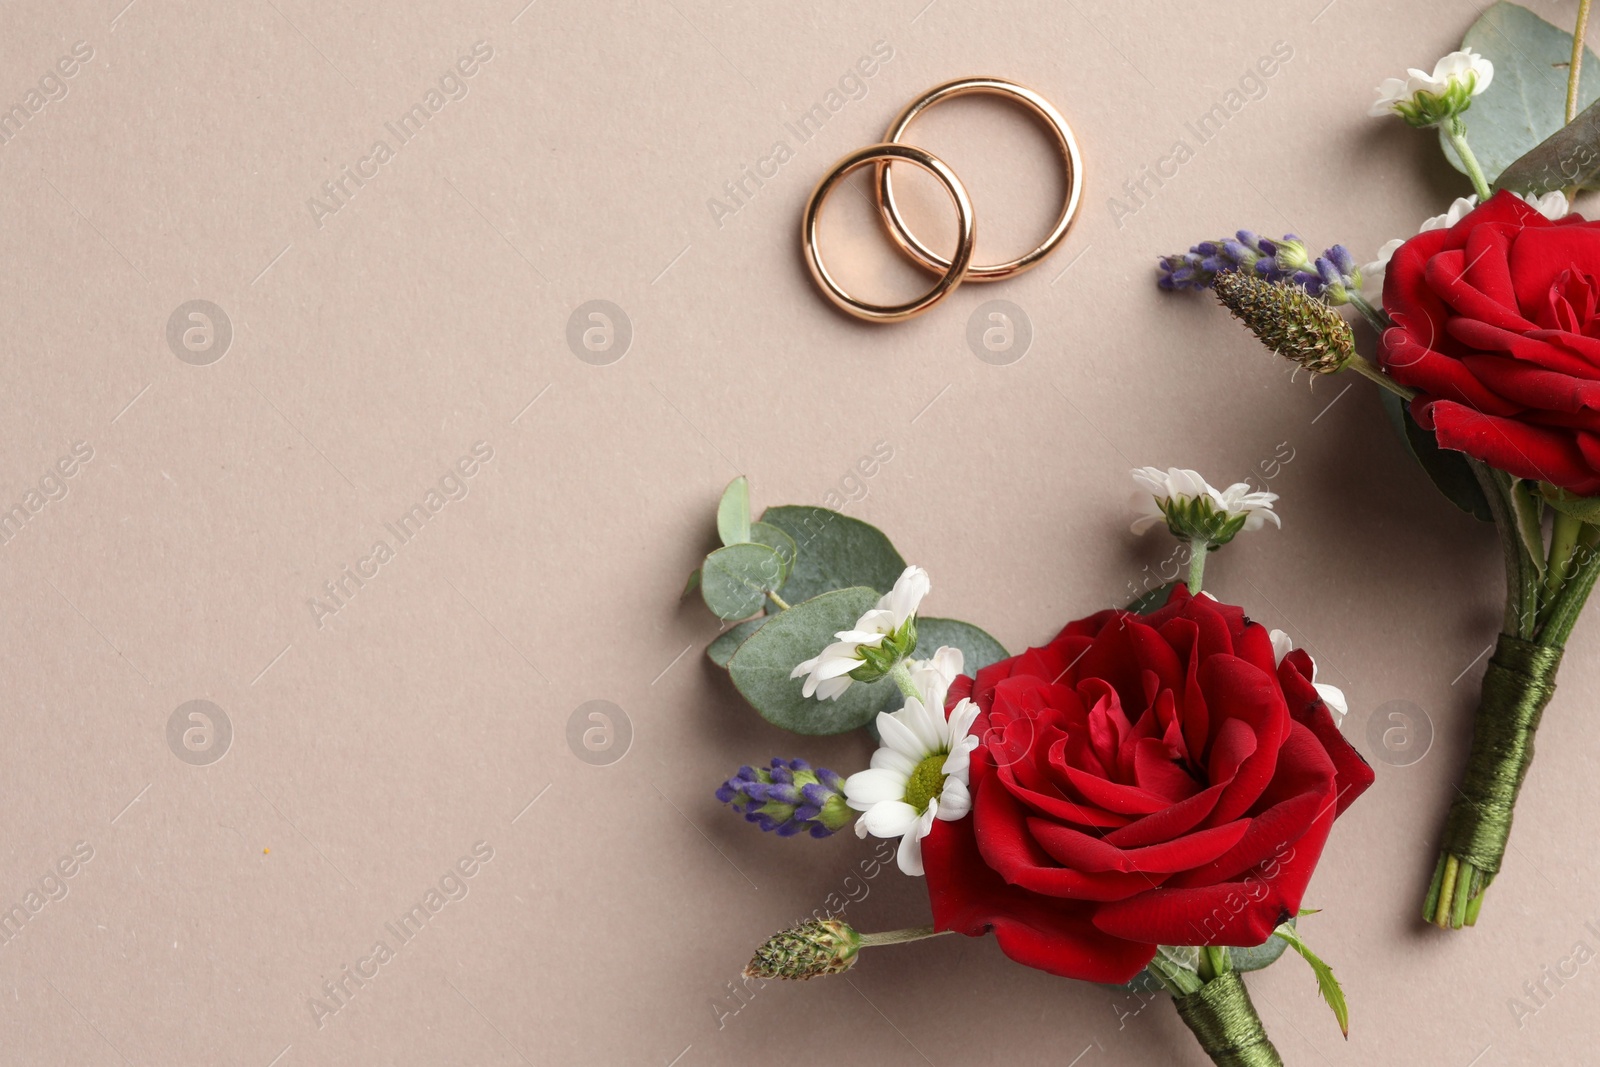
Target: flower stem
x=1456 y=131
x=1519 y=682
x=1197 y=563
x=902 y=679
x=778 y=600
x=1563 y=543
x=1226 y=1023
x=1577 y=58
x=898 y=937
x=1376 y=317
x=1368 y=369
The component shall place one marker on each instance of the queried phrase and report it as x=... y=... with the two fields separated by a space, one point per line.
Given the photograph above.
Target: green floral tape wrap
x=1520 y=681
x=1226 y=1024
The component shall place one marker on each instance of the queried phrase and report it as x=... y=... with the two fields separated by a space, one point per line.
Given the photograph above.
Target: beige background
x=370 y=352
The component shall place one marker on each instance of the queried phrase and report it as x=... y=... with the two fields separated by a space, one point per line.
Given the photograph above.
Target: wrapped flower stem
x=1543 y=599
x=1225 y=1023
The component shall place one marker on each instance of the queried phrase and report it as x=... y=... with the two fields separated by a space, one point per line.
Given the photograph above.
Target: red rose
x=1142 y=780
x=1497 y=323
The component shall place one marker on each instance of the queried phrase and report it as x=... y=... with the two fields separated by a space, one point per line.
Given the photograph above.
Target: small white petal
x=898 y=736
x=889 y=819
x=910 y=854
x=903 y=600
x=1282 y=645
x=916 y=718
x=890 y=760
x=863 y=789
x=954 y=800
x=1333 y=696
x=833 y=688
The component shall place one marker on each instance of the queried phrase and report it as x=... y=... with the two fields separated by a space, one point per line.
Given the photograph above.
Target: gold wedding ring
x=953 y=271
x=959 y=267
x=1041 y=107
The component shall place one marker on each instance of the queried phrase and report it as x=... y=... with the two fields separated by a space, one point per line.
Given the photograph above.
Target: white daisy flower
x=920 y=772
x=1552 y=205
x=869 y=651
x=1331 y=695
x=1424 y=99
x=1195 y=511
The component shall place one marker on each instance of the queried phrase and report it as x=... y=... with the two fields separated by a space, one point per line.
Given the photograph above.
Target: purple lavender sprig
x=788 y=797
x=1333 y=276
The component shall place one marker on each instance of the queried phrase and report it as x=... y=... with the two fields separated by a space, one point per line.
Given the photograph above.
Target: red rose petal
x=1053 y=935
x=1516 y=447
x=1243 y=912
x=1082 y=852
x=1541 y=255
x=1167 y=823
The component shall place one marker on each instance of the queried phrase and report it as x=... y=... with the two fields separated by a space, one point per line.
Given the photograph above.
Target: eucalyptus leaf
x=835 y=552
x=1152 y=600
x=1586 y=508
x=1527 y=100
x=762 y=664
x=1448 y=470
x=1528 y=510
x=733 y=512
x=763 y=533
x=692 y=584
x=978 y=649
x=735 y=580
x=722 y=649
x=1263 y=955
x=1568 y=157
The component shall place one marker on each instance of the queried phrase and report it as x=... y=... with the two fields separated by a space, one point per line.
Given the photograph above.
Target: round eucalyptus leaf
x=763 y=533
x=733 y=512
x=1527 y=100
x=735 y=580
x=722 y=649
x=835 y=552
x=762 y=664
x=1263 y=955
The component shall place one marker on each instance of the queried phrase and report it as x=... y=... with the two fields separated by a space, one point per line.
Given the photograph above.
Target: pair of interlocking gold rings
x=959 y=267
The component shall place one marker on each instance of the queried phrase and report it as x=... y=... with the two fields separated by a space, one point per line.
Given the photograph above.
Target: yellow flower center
x=926 y=781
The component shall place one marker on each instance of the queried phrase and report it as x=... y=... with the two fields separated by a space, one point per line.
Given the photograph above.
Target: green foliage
x=1448 y=470
x=733 y=512
x=1327 y=984
x=735 y=580
x=762 y=664
x=834 y=552
x=1527 y=100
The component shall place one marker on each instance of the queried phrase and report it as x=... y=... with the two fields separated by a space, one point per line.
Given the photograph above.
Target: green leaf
x=692 y=584
x=1568 y=157
x=1327 y=984
x=978 y=649
x=1448 y=470
x=835 y=552
x=763 y=533
x=1152 y=600
x=733 y=513
x=735 y=580
x=1586 y=508
x=1528 y=511
x=1527 y=100
x=722 y=649
x=1262 y=955
x=761 y=666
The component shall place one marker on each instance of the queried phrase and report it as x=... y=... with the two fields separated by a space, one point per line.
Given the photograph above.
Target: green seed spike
x=1288 y=320
x=818 y=947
